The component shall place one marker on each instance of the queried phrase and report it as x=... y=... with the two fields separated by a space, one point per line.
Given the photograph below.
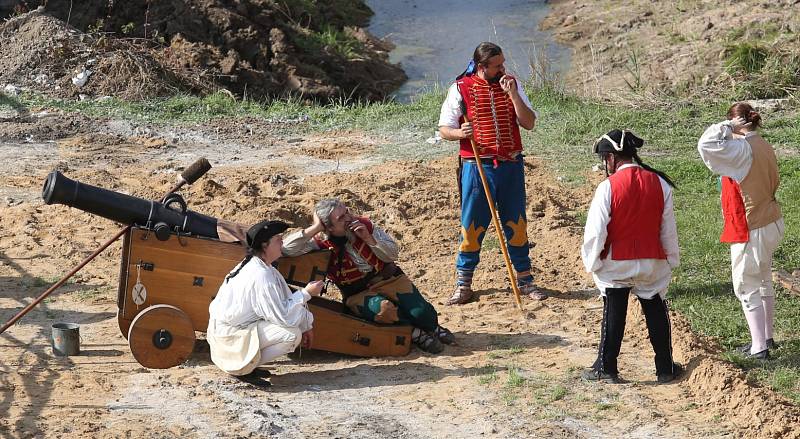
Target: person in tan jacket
x=753 y=224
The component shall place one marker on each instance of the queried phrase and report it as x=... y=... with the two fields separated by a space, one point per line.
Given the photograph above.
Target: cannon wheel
x=124 y=324
x=161 y=336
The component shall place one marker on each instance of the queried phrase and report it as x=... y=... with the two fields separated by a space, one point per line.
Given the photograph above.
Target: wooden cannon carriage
x=181 y=276
x=172 y=268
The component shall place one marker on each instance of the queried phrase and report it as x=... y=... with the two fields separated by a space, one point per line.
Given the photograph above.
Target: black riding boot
x=656 y=315
x=615 y=309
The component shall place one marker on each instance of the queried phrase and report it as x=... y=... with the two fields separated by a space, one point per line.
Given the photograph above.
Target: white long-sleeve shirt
x=259 y=292
x=647 y=276
x=725 y=154
x=386 y=249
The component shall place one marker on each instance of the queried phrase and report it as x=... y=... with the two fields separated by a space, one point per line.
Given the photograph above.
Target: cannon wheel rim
x=161 y=336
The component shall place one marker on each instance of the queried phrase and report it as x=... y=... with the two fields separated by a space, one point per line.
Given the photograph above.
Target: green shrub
x=745 y=58
x=331 y=40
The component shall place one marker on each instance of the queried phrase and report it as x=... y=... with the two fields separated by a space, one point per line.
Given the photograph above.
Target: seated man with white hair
x=362 y=266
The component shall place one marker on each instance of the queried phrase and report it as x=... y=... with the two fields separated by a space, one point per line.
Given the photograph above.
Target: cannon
x=166 y=284
x=161 y=218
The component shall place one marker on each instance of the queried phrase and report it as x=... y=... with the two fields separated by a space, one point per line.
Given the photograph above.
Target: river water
x=435 y=39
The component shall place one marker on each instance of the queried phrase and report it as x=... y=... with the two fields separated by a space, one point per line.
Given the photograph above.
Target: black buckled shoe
x=593 y=374
x=261 y=373
x=444 y=335
x=745 y=349
x=762 y=356
x=677 y=371
x=427 y=342
x=253 y=380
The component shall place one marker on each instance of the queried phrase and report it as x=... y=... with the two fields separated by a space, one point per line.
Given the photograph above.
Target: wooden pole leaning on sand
x=189 y=175
x=495 y=219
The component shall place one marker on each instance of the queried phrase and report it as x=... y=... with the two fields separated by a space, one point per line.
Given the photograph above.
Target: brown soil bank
x=258 y=48
x=681 y=47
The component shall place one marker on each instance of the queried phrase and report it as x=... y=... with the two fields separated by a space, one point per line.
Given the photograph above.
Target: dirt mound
x=44 y=53
x=256 y=48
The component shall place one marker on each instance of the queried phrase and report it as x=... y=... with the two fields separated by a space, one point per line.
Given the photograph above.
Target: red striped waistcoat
x=493 y=118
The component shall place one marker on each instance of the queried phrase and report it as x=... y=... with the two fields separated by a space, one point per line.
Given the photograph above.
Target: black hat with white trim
x=263 y=231
x=619 y=142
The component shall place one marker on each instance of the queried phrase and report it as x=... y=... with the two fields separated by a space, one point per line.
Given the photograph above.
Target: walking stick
x=188 y=176
x=495 y=219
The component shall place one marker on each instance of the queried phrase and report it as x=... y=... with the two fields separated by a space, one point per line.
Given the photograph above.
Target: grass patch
x=490 y=241
x=745 y=58
x=488 y=378
x=550 y=395
x=514 y=379
x=497 y=354
x=763 y=71
x=331 y=40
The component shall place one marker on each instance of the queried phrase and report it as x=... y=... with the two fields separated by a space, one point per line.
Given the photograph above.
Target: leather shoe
x=677 y=371
x=593 y=374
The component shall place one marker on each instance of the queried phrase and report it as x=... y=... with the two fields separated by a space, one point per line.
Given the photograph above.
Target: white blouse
x=259 y=292
x=725 y=154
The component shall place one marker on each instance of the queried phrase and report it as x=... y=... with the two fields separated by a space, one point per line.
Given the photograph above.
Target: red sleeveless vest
x=735 y=229
x=347 y=271
x=637 y=206
x=493 y=118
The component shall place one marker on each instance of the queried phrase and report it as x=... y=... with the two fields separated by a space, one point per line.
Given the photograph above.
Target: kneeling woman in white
x=255 y=317
x=630 y=245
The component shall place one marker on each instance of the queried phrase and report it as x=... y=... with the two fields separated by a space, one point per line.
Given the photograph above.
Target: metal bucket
x=66 y=339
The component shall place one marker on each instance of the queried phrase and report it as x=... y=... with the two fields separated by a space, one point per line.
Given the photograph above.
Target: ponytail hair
x=241 y=265
x=647 y=167
x=480 y=56
x=746 y=112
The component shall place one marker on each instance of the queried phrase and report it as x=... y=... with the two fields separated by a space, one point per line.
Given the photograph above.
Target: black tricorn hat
x=263 y=231
x=620 y=142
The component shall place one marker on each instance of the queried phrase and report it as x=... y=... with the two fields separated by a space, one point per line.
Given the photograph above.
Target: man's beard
x=496 y=78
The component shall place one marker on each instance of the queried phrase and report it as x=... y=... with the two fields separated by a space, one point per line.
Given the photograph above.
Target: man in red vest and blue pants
x=495 y=107
x=630 y=245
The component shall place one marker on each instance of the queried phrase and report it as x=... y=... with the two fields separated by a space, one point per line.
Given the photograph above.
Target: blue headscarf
x=471 y=67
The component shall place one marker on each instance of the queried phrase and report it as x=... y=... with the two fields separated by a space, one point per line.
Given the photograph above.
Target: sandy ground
x=672 y=46
x=511 y=375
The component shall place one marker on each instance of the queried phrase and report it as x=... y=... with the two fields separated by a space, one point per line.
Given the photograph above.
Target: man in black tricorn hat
x=255 y=317
x=630 y=245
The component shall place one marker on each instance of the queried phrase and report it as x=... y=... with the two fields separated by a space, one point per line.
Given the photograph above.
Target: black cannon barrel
x=123 y=208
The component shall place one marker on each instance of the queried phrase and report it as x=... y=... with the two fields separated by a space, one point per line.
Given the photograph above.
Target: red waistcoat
x=347 y=271
x=493 y=118
x=735 y=228
x=637 y=205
